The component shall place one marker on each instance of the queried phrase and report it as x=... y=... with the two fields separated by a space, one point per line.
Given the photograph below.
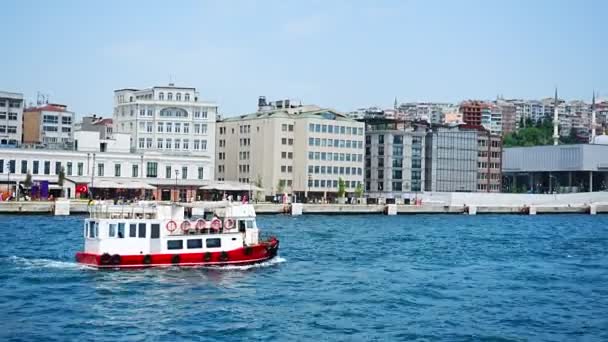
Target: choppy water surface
x=338 y=278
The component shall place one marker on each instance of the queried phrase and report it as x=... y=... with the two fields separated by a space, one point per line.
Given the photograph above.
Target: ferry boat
x=160 y=235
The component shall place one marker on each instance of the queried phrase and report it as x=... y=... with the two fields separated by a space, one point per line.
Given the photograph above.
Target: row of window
x=336 y=170
x=194 y=243
x=494 y=187
x=11 y=116
x=484 y=154
x=54 y=119
x=322 y=128
x=178 y=96
x=484 y=165
x=286 y=155
x=335 y=143
x=10 y=129
x=170 y=127
x=395 y=186
x=64 y=129
x=11 y=104
x=335 y=156
x=322 y=183
x=136 y=230
x=177 y=144
x=287 y=128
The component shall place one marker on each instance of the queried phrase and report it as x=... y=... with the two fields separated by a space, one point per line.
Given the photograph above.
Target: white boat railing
x=122 y=211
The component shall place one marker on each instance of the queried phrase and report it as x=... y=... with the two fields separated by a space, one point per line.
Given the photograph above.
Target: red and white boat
x=160 y=235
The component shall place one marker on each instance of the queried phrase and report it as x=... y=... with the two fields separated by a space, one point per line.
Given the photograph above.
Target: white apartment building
x=171 y=120
x=301 y=150
x=11 y=118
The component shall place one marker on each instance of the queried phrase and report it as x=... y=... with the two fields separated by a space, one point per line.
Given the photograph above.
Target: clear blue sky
x=340 y=54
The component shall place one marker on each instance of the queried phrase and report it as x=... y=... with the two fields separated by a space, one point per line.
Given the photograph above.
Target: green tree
x=28 y=180
x=359 y=190
x=281 y=186
x=258 y=183
x=341 y=188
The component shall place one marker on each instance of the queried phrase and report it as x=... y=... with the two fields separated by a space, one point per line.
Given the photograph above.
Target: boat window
x=96 y=229
x=195 y=243
x=133 y=230
x=112 y=230
x=155 y=230
x=241 y=226
x=121 y=230
x=142 y=230
x=91 y=229
x=175 y=244
x=249 y=224
x=213 y=243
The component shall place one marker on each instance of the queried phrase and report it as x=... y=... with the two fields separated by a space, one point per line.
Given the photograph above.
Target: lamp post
x=309 y=184
x=176 y=193
x=93 y=175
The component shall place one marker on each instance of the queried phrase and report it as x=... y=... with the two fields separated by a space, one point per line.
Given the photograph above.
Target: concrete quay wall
x=489 y=199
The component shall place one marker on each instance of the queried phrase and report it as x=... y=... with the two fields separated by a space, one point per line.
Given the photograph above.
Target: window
x=178 y=97
x=184 y=172
x=47 y=167
x=175 y=244
x=168 y=171
x=169 y=127
x=135 y=171
x=213 y=243
x=194 y=243
x=169 y=96
x=186 y=128
x=121 y=230
x=152 y=169
x=142 y=230
x=100 y=169
x=187 y=97
x=178 y=143
x=159 y=127
x=12 y=116
x=161 y=96
x=133 y=230
x=154 y=231
x=80 y=168
x=200 y=172
x=186 y=144
x=159 y=143
x=112 y=230
x=116 y=170
x=178 y=127
x=24 y=166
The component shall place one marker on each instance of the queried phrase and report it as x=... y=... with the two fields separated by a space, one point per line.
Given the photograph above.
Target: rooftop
x=307 y=111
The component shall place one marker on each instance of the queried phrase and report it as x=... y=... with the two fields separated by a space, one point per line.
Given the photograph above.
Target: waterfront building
x=108 y=168
x=167 y=119
x=508 y=116
x=451 y=156
x=291 y=148
x=491 y=118
x=489 y=160
x=96 y=123
x=394 y=160
x=48 y=125
x=560 y=168
x=11 y=118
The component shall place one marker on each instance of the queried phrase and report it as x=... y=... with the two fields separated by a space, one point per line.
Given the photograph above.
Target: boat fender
x=248 y=250
x=207 y=256
x=223 y=256
x=105 y=259
x=147 y=259
x=171 y=226
x=200 y=224
x=115 y=259
x=229 y=223
x=185 y=226
x=175 y=259
x=216 y=224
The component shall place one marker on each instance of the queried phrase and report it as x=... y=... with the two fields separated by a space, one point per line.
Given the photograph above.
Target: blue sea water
x=348 y=278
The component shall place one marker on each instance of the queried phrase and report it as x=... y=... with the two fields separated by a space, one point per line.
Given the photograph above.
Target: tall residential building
x=489 y=161
x=508 y=116
x=11 y=118
x=49 y=125
x=471 y=112
x=294 y=149
x=394 y=159
x=451 y=156
x=168 y=119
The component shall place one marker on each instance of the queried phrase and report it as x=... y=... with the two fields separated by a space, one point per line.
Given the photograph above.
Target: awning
x=108 y=184
x=230 y=186
x=138 y=185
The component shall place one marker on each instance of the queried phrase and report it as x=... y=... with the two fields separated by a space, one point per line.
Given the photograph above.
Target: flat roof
x=555 y=158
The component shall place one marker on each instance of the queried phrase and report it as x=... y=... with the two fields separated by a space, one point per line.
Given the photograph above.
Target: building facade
x=171 y=120
x=471 y=112
x=394 y=160
x=49 y=125
x=451 y=156
x=11 y=118
x=293 y=149
x=90 y=166
x=489 y=161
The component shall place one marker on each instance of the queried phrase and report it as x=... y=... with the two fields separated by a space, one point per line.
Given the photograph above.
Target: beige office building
x=293 y=149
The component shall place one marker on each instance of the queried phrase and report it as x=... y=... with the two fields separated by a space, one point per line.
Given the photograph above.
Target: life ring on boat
x=171 y=226
x=147 y=259
x=229 y=223
x=216 y=224
x=105 y=259
x=185 y=226
x=175 y=259
x=223 y=256
x=200 y=224
x=207 y=256
x=115 y=259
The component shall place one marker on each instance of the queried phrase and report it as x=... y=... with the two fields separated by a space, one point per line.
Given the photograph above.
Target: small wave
x=44 y=263
x=271 y=262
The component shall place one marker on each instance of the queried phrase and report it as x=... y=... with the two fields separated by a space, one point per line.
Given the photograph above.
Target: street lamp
x=309 y=184
x=176 y=194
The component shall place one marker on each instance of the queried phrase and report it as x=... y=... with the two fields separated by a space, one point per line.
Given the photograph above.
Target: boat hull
x=242 y=256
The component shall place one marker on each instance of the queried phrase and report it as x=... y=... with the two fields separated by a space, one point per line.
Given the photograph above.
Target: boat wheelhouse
x=118 y=236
